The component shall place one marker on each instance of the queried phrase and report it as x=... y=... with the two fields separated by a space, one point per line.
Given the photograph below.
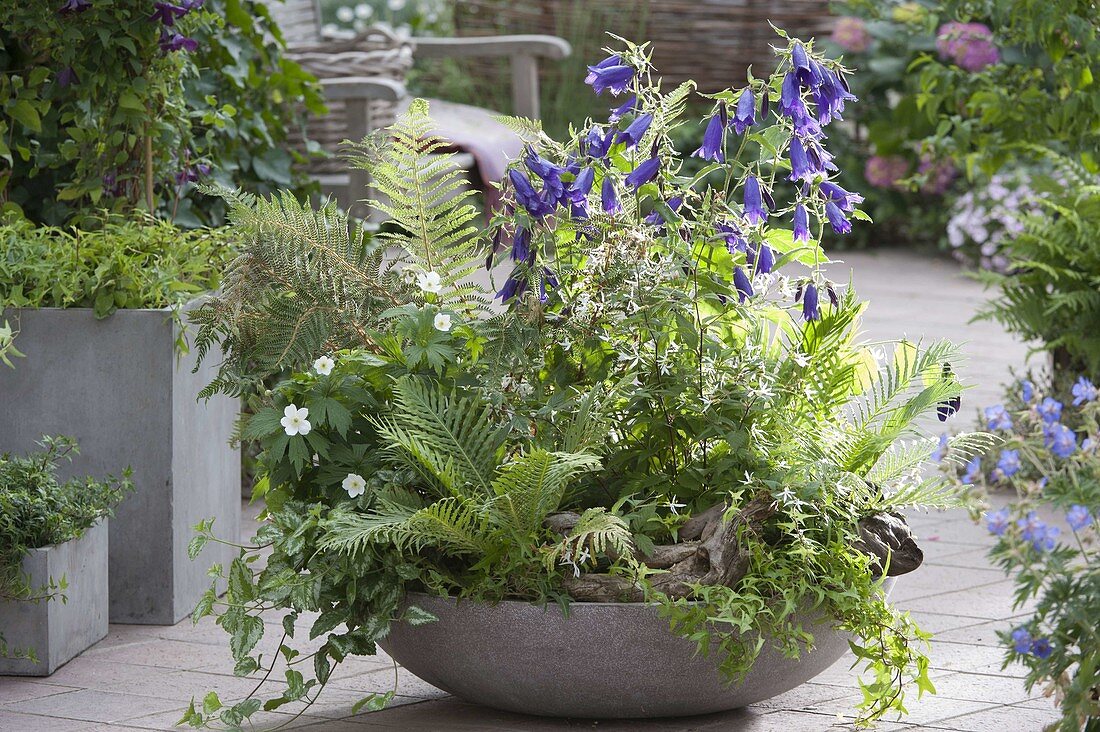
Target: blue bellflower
x=844 y=200
x=634 y=132
x=801 y=166
x=713 y=139
x=790 y=99
x=810 y=310
x=762 y=260
x=644 y=173
x=608 y=198
x=743 y=284
x=611 y=73
x=527 y=196
x=755 y=212
x=744 y=114
x=837 y=219
x=521 y=247
x=597 y=143
x=735 y=240
x=623 y=109
x=801 y=224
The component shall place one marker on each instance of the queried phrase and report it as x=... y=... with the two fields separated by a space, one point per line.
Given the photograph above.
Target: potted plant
x=667 y=451
x=98 y=315
x=53 y=559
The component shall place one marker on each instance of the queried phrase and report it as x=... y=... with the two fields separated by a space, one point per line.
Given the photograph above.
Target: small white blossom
x=323 y=365
x=364 y=11
x=354 y=485
x=295 y=420
x=429 y=282
x=345 y=14
x=395 y=5
x=674 y=505
x=442 y=322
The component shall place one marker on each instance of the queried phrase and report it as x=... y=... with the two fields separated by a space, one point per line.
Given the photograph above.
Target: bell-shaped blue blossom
x=1050 y=410
x=1060 y=440
x=713 y=138
x=997 y=522
x=837 y=219
x=998 y=418
x=1078 y=517
x=805 y=69
x=623 y=109
x=1021 y=641
x=735 y=238
x=801 y=166
x=941 y=448
x=829 y=97
x=611 y=73
x=845 y=200
x=790 y=98
x=608 y=197
x=634 y=132
x=1009 y=463
x=546 y=279
x=644 y=173
x=801 y=224
x=755 y=212
x=973 y=471
x=1083 y=391
x=578 y=192
x=521 y=247
x=762 y=260
x=655 y=217
x=744 y=114
x=810 y=310
x=527 y=196
x=597 y=142
x=742 y=284
x=514 y=286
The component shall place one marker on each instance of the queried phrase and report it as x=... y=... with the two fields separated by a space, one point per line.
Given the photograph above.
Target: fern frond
x=453 y=525
x=532 y=486
x=596 y=532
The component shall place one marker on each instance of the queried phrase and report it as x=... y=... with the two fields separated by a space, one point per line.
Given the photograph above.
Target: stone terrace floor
x=141 y=677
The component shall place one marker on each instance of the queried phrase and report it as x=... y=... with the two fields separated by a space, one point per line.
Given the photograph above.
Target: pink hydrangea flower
x=969 y=45
x=884 y=171
x=851 y=34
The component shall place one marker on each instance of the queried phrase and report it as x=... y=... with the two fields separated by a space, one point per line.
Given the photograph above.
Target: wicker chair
x=363 y=78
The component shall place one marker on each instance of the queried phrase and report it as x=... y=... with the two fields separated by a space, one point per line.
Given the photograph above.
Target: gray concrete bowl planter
x=605 y=660
x=58 y=630
x=120 y=387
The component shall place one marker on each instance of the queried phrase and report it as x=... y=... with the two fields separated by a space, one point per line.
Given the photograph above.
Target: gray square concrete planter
x=119 y=386
x=57 y=631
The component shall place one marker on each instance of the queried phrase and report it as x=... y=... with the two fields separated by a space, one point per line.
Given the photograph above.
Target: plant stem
x=149 y=170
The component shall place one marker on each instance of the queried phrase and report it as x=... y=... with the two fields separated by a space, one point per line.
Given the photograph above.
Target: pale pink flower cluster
x=884 y=171
x=851 y=34
x=969 y=45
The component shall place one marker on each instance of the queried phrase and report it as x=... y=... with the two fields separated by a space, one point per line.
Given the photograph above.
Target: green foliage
x=1047 y=537
x=37 y=510
x=95 y=113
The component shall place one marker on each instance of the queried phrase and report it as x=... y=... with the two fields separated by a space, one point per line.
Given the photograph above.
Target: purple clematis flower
x=168 y=13
x=67 y=77
x=644 y=173
x=608 y=197
x=623 y=109
x=1041 y=648
x=837 y=219
x=755 y=212
x=611 y=73
x=74 y=6
x=744 y=114
x=177 y=42
x=713 y=138
x=742 y=283
x=632 y=135
x=801 y=224
x=810 y=310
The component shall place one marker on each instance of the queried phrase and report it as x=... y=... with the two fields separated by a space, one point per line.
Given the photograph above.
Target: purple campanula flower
x=801 y=168
x=1009 y=463
x=1083 y=391
x=582 y=186
x=837 y=219
x=546 y=278
x=830 y=96
x=744 y=114
x=763 y=261
x=801 y=224
x=1041 y=648
x=803 y=71
x=1078 y=517
x=715 y=135
x=608 y=197
x=521 y=247
x=1050 y=410
x=1027 y=390
x=1060 y=440
x=168 y=13
x=527 y=196
x=67 y=77
x=597 y=143
x=997 y=522
x=810 y=310
x=998 y=418
x=632 y=135
x=845 y=200
x=1021 y=640
x=755 y=212
x=973 y=471
x=623 y=109
x=735 y=240
x=655 y=217
x=74 y=6
x=514 y=286
x=170 y=42
x=644 y=173
x=611 y=73
x=790 y=98
x=742 y=283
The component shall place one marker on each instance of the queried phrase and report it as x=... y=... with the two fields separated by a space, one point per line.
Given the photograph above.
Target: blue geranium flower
x=644 y=173
x=998 y=521
x=755 y=212
x=1078 y=517
x=1035 y=530
x=801 y=224
x=1041 y=648
x=711 y=149
x=1009 y=463
x=1050 y=410
x=1083 y=391
x=1021 y=640
x=1027 y=390
x=742 y=283
x=973 y=471
x=998 y=418
x=744 y=114
x=1061 y=440
x=611 y=73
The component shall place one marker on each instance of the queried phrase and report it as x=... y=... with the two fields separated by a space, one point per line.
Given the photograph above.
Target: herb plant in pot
x=53 y=559
x=668 y=441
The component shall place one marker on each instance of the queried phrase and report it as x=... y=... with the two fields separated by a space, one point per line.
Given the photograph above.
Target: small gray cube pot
x=57 y=631
x=121 y=388
x=605 y=660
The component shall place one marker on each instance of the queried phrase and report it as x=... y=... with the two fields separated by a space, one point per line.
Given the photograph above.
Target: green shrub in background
x=37 y=510
x=124 y=104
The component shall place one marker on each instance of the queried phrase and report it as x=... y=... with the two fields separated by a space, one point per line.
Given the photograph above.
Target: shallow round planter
x=603 y=660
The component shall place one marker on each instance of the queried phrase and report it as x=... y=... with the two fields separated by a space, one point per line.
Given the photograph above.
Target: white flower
x=395 y=5
x=442 y=322
x=674 y=505
x=345 y=14
x=294 y=420
x=429 y=282
x=354 y=485
x=323 y=365
x=364 y=11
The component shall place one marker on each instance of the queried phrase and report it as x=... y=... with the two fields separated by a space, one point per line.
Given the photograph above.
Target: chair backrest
x=299 y=20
